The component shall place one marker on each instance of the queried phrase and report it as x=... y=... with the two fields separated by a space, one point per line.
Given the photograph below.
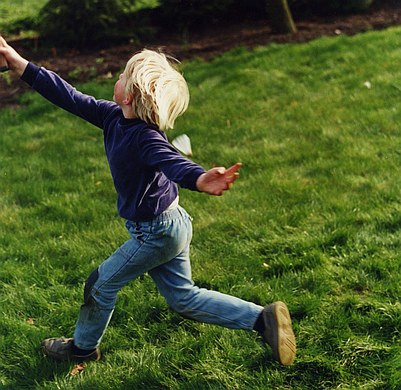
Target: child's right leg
x=152 y=243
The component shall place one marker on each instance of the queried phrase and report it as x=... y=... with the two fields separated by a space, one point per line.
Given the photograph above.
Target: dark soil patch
x=79 y=66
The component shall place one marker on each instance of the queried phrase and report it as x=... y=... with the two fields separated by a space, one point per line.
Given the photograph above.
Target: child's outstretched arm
x=14 y=60
x=217 y=180
x=52 y=87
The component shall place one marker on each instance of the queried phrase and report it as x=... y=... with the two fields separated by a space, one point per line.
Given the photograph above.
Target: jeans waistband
x=168 y=215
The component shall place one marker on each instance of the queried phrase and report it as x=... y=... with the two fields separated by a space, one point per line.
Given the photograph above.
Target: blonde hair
x=160 y=93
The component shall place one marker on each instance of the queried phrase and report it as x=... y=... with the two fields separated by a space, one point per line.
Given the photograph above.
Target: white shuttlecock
x=367 y=84
x=183 y=144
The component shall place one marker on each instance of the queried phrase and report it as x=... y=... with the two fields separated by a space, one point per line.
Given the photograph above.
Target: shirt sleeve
x=157 y=152
x=59 y=92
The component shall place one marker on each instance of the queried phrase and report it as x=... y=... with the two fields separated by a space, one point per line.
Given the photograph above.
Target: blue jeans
x=161 y=248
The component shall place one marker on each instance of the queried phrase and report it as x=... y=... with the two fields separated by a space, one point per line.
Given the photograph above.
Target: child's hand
x=217 y=180
x=14 y=60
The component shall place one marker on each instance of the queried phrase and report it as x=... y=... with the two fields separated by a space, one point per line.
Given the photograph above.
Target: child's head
x=160 y=93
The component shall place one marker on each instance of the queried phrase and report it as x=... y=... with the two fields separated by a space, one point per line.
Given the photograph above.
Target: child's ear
x=128 y=100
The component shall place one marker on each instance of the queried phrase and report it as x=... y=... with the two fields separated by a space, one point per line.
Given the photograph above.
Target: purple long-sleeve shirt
x=144 y=166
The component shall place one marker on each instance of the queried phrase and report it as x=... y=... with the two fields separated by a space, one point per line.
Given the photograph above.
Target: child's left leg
x=273 y=322
x=174 y=282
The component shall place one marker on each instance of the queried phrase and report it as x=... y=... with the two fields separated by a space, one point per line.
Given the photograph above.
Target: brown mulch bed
x=78 y=66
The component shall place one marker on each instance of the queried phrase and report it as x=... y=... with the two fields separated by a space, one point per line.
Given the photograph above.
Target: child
x=148 y=97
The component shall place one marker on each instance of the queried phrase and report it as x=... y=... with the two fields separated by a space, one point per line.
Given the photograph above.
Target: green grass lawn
x=314 y=220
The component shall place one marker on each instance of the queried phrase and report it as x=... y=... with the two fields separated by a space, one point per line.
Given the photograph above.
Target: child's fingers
x=3 y=42
x=231 y=173
x=231 y=179
x=233 y=169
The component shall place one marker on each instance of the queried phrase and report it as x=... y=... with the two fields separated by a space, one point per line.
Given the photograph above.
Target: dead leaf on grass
x=77 y=369
x=30 y=321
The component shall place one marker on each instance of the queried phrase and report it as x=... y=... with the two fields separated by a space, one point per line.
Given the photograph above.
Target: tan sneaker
x=60 y=349
x=278 y=332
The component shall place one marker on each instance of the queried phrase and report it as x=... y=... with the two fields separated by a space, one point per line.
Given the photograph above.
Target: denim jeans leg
x=99 y=301
x=152 y=244
x=174 y=281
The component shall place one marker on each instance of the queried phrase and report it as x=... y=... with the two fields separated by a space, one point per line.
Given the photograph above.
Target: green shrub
x=76 y=22
x=79 y=23
x=329 y=6
x=185 y=14
x=18 y=16
x=84 y=22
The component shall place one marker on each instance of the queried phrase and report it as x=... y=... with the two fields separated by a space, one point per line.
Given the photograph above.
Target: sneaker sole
x=286 y=345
